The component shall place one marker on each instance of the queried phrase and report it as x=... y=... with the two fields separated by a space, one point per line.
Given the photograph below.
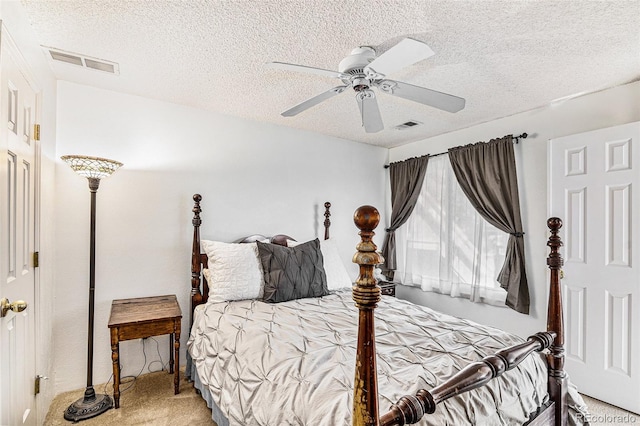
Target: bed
x=292 y=362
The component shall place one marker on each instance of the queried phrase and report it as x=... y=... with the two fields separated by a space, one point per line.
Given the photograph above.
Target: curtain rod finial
x=516 y=139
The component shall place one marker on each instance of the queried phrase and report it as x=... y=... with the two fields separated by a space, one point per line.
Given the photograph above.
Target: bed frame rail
x=410 y=409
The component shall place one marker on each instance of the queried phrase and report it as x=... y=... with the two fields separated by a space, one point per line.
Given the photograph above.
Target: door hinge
x=36 y=259
x=36 y=132
x=36 y=387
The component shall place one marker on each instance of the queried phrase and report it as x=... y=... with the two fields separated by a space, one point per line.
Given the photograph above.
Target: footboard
x=410 y=409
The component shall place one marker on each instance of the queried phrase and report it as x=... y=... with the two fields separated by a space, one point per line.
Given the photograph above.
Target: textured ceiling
x=503 y=57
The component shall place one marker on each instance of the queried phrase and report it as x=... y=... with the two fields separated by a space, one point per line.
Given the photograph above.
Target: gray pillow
x=292 y=272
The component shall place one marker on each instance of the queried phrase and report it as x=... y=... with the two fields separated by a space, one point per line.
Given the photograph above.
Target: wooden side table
x=145 y=317
x=387 y=288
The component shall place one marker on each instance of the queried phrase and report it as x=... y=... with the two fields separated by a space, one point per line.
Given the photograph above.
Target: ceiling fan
x=362 y=71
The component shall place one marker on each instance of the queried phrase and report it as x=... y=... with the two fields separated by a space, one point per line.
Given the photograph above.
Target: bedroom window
x=446 y=246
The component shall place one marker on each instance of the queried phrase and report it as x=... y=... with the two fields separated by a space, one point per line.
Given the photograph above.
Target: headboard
x=199 y=260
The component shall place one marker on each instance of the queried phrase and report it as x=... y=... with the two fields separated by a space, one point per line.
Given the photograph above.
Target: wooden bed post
x=196 y=295
x=366 y=294
x=555 y=323
x=327 y=222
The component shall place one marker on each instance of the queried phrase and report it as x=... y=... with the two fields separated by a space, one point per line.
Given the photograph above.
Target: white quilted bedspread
x=292 y=363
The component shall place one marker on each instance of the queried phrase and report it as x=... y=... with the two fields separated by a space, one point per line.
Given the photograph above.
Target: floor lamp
x=94 y=169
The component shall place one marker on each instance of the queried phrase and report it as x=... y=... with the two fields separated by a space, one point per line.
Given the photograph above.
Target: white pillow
x=337 y=276
x=234 y=271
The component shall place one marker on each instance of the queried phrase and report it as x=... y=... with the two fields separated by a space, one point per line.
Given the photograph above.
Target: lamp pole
x=93 y=168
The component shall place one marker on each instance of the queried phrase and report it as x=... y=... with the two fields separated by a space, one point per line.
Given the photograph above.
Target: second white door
x=594 y=187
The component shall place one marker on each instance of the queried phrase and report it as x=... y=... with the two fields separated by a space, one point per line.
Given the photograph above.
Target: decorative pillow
x=292 y=273
x=337 y=276
x=234 y=271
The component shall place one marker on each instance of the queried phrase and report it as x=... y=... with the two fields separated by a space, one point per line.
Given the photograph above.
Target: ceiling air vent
x=71 y=59
x=407 y=125
x=82 y=60
x=99 y=65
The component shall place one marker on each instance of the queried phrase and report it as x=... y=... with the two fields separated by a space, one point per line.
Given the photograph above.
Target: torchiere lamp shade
x=91 y=167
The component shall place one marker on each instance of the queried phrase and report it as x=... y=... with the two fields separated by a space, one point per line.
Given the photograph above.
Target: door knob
x=17 y=306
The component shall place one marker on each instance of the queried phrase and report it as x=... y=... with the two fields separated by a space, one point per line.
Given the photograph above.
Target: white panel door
x=18 y=102
x=594 y=181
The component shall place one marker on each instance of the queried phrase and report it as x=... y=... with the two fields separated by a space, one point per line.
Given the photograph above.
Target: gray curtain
x=406 y=182
x=487 y=174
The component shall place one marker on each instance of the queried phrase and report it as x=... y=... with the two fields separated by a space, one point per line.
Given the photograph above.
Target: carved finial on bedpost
x=327 y=222
x=555 y=323
x=196 y=295
x=196 y=210
x=366 y=294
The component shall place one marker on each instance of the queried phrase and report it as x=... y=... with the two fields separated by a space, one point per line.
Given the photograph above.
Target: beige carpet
x=150 y=401
x=605 y=414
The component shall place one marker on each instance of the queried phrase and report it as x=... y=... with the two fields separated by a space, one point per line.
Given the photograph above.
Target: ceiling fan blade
x=305 y=69
x=369 y=111
x=422 y=95
x=403 y=54
x=313 y=101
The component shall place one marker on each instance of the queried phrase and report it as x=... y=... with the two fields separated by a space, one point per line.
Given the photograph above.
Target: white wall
x=598 y=110
x=17 y=24
x=254 y=178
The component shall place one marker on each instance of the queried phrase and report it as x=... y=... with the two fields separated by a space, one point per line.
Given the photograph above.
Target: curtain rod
x=516 y=139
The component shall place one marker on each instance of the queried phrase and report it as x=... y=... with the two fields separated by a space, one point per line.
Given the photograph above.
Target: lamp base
x=91 y=405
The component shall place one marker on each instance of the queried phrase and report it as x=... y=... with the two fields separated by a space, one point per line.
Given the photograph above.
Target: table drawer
x=138 y=331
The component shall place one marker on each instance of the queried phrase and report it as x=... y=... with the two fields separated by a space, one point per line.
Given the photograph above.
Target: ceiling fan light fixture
x=360 y=84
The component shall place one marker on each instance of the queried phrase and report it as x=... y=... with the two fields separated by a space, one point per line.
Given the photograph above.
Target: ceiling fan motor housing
x=359 y=58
